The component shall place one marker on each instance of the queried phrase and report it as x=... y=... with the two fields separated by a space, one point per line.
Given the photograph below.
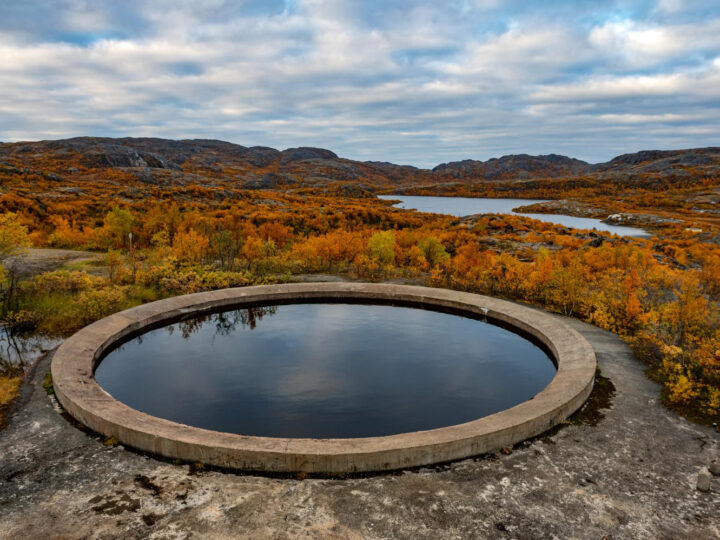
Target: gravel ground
x=38 y=260
x=628 y=471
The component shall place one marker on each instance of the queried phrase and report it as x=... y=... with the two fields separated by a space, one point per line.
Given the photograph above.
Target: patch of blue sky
x=84 y=39
x=185 y=69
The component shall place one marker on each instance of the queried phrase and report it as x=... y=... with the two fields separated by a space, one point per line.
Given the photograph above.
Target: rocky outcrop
x=260 y=156
x=270 y=181
x=563 y=206
x=351 y=190
x=334 y=169
x=425 y=189
x=305 y=153
x=521 y=166
x=638 y=220
x=110 y=156
x=661 y=161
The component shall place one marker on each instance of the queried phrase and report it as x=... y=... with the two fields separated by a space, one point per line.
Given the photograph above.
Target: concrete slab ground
x=631 y=475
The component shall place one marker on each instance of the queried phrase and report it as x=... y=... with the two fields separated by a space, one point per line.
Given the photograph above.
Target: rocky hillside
x=514 y=167
x=663 y=162
x=211 y=162
x=169 y=162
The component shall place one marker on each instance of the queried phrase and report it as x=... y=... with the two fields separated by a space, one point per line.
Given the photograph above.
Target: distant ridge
x=156 y=160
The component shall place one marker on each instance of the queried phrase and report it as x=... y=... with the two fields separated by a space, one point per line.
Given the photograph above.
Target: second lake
x=465 y=206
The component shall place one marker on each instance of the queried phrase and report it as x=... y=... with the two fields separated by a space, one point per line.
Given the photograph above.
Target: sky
x=412 y=82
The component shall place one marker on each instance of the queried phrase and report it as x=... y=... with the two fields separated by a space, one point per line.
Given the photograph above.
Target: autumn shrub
x=64 y=312
x=115 y=262
x=617 y=303
x=9 y=387
x=648 y=349
x=224 y=248
x=381 y=247
x=13 y=235
x=68 y=235
x=118 y=224
x=433 y=251
x=22 y=320
x=190 y=246
x=95 y=304
x=326 y=252
x=9 y=390
x=370 y=268
x=277 y=232
x=169 y=277
x=416 y=259
x=64 y=281
x=190 y=281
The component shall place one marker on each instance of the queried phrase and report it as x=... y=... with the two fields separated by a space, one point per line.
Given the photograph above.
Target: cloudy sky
x=418 y=82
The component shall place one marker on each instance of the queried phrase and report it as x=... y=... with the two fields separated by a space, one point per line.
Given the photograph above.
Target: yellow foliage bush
x=381 y=247
x=13 y=235
x=171 y=278
x=98 y=303
x=681 y=389
x=64 y=281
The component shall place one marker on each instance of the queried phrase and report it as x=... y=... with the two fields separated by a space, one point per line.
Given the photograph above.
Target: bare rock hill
x=159 y=161
x=520 y=166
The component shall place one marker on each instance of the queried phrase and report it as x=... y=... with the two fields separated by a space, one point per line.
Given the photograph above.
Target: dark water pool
x=325 y=370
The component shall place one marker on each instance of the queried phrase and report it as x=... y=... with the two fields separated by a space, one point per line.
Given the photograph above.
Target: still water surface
x=18 y=350
x=325 y=370
x=465 y=206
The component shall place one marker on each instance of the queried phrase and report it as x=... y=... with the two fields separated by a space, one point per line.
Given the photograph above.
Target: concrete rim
x=75 y=387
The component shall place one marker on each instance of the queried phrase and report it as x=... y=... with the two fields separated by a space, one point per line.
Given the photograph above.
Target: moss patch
x=48 y=385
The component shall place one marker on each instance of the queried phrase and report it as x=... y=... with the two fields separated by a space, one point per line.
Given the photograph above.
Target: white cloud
x=641 y=44
x=697 y=83
x=406 y=81
x=519 y=54
x=613 y=87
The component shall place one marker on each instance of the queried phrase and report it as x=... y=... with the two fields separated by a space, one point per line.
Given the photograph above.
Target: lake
x=465 y=206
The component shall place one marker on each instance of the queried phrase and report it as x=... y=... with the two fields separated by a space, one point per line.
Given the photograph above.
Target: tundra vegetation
x=199 y=231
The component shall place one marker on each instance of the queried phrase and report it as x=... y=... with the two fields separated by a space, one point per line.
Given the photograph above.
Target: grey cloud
x=406 y=81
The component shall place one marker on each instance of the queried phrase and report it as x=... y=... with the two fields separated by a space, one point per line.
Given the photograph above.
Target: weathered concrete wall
x=77 y=390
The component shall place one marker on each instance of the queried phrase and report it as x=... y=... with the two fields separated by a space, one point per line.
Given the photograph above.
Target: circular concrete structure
x=75 y=387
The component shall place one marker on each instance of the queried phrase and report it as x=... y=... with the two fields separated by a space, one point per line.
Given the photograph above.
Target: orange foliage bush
x=189 y=246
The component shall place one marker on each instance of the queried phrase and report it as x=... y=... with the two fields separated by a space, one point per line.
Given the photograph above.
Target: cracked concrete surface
x=630 y=476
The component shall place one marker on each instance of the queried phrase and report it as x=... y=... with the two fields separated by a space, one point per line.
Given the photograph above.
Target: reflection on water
x=325 y=370
x=466 y=206
x=225 y=323
x=18 y=351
